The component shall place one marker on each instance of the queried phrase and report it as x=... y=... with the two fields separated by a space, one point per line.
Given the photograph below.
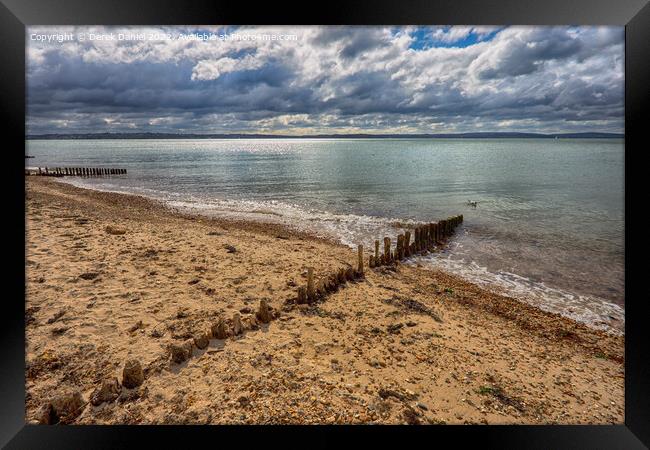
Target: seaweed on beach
x=408 y=304
x=499 y=394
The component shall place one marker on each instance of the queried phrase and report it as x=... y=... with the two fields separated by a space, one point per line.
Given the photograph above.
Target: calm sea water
x=548 y=227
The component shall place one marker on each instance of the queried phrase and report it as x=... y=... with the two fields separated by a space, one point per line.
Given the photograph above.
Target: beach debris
x=58 y=331
x=150 y=253
x=56 y=316
x=214 y=233
x=384 y=393
x=193 y=281
x=219 y=330
x=132 y=374
x=263 y=313
x=89 y=275
x=243 y=401
x=157 y=333
x=181 y=352
x=201 y=340
x=62 y=408
x=135 y=327
x=411 y=416
x=108 y=392
x=394 y=328
x=110 y=229
x=237 y=326
x=230 y=248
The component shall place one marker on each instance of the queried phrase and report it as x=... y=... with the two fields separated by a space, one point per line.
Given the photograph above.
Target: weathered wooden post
x=302 y=295
x=310 y=284
x=360 y=256
x=400 y=246
x=340 y=276
x=407 y=243
x=377 y=260
x=386 y=250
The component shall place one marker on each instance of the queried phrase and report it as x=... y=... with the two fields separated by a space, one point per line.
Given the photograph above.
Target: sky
x=321 y=80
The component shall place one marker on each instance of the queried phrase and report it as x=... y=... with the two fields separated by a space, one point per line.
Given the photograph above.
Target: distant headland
x=476 y=135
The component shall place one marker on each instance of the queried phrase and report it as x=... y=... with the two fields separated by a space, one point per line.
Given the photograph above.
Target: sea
x=547 y=227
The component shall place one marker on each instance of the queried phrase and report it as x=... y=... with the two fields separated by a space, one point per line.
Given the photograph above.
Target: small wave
x=596 y=312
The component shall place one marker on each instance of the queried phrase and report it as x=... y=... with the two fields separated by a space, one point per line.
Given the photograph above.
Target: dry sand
x=409 y=345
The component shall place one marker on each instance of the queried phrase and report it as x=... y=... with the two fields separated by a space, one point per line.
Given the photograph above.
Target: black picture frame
x=16 y=14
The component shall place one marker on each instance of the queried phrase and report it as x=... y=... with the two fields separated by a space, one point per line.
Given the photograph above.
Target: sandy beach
x=113 y=278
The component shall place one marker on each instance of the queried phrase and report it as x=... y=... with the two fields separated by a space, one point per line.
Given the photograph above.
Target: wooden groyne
x=426 y=238
x=75 y=171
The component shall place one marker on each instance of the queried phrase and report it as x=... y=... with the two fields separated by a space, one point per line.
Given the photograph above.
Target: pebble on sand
x=132 y=375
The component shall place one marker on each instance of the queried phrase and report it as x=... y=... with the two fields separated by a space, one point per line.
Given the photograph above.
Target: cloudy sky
x=310 y=80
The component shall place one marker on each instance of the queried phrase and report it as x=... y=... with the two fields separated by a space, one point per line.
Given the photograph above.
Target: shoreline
x=171 y=273
x=603 y=314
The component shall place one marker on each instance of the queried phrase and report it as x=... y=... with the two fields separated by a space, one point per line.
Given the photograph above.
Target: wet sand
x=113 y=277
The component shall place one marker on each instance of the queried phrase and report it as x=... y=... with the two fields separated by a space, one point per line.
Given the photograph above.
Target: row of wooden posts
x=80 y=171
x=425 y=239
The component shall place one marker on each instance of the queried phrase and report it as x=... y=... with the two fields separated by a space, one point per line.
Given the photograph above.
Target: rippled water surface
x=547 y=228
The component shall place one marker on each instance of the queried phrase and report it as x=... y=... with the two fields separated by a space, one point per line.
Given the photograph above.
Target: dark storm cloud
x=525 y=57
x=335 y=79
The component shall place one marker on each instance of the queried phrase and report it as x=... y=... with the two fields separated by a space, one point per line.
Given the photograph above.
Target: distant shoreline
x=486 y=135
